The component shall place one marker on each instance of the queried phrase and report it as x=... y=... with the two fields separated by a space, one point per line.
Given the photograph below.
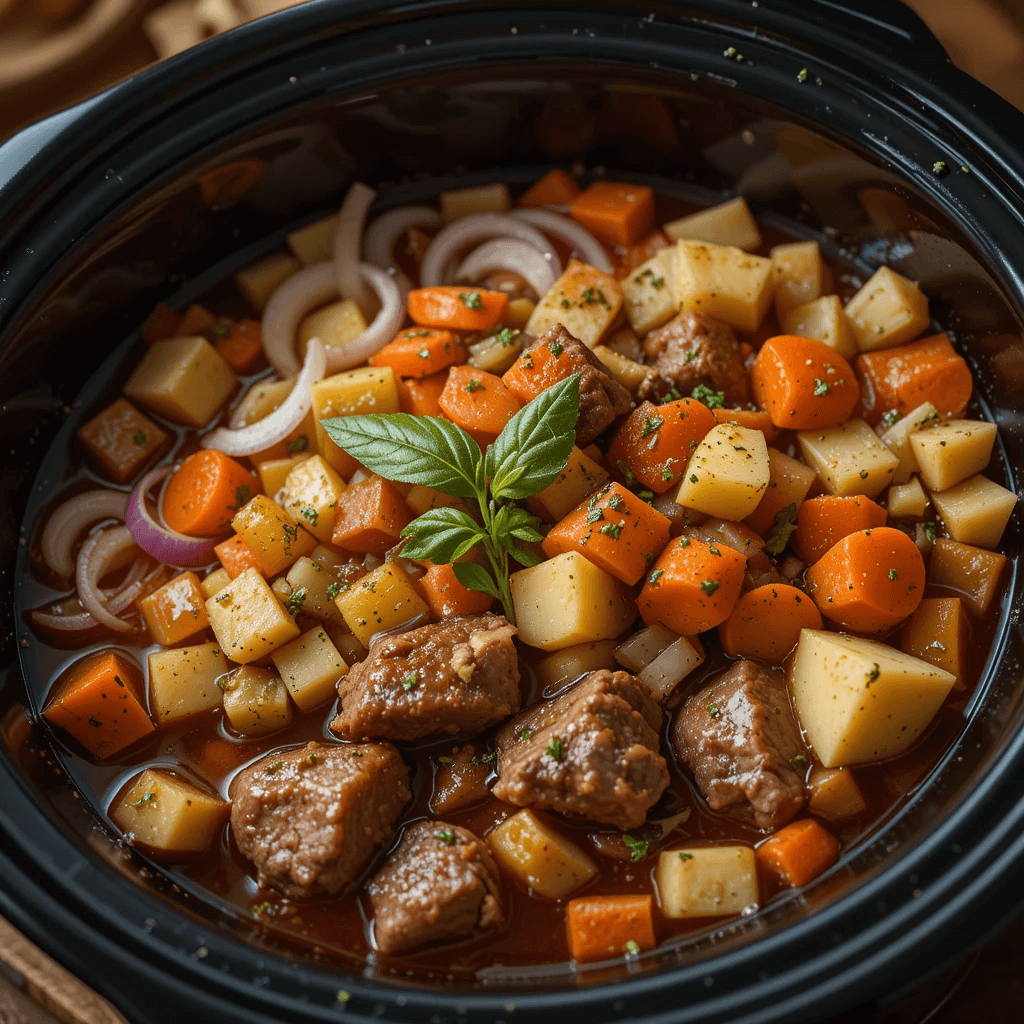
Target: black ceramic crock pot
x=848 y=125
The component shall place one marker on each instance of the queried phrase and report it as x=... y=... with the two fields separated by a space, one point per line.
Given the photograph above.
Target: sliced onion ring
x=117 y=601
x=164 y=544
x=68 y=520
x=478 y=227
x=384 y=326
x=508 y=254
x=383 y=234
x=348 y=243
x=590 y=249
x=100 y=553
x=259 y=436
x=310 y=288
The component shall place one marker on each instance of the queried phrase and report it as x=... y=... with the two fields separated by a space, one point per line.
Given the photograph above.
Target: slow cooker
x=842 y=121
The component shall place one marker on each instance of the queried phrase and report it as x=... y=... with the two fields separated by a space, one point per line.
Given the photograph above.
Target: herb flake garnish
x=637 y=847
x=784 y=525
x=555 y=749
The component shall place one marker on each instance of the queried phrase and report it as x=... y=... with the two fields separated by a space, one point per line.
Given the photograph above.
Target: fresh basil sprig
x=527 y=456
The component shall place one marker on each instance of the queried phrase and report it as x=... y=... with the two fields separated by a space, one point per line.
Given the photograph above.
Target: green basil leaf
x=536 y=443
x=524 y=556
x=475 y=577
x=527 y=533
x=440 y=534
x=411 y=449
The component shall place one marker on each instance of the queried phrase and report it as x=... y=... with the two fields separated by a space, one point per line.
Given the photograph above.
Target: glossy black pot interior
x=127 y=201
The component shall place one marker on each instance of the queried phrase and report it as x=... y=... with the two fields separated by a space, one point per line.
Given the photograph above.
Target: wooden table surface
x=984 y=37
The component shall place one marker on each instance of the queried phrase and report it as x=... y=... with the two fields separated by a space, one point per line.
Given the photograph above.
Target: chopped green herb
x=709 y=586
x=424 y=353
x=446 y=835
x=595 y=515
x=295 y=599
x=655 y=576
x=343 y=996
x=332 y=590
x=704 y=395
x=594 y=295
x=690 y=356
x=506 y=336
x=632 y=947
x=471 y=300
x=526 y=734
x=312 y=759
x=473 y=385
x=712 y=550
x=637 y=847
x=566 y=303
x=685 y=856
x=712 y=709
x=730 y=52
x=684 y=542
x=893 y=574
x=651 y=424
x=782 y=528
x=802 y=75
x=242 y=494
x=145 y=798
x=410 y=681
x=890 y=418
x=693 y=478
x=262 y=908
x=555 y=349
x=310 y=515
x=298 y=444
x=140 y=437
x=645 y=495
x=874 y=673
x=555 y=749
x=445 y=760
x=616 y=502
x=798 y=760
x=820 y=387
x=939 y=167
x=612 y=530
x=658 y=282
x=274 y=768
x=666 y=471
x=929 y=532
x=422 y=333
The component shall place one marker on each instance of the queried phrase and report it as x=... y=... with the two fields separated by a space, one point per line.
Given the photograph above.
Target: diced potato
x=274 y=472
x=644 y=646
x=976 y=511
x=859 y=700
x=310 y=494
x=121 y=440
x=584 y=300
x=972 y=571
x=648 y=293
x=907 y=501
x=165 y=814
x=889 y=310
x=951 y=451
x=176 y=611
x=567 y=665
x=728 y=473
x=800 y=275
x=314 y=243
x=421 y=499
x=334 y=325
x=262 y=399
x=849 y=459
x=824 y=320
x=897 y=439
x=367 y=389
x=706 y=881
x=568 y=600
x=183 y=681
x=183 y=379
x=274 y=536
x=672 y=666
x=538 y=857
x=248 y=619
x=628 y=373
x=724 y=282
x=310 y=667
x=493 y=355
x=937 y=633
x=577 y=481
x=318 y=585
x=256 y=701
x=381 y=600
x=519 y=313
x=834 y=794
x=625 y=341
x=215 y=582
x=258 y=282
x=460 y=202
x=729 y=223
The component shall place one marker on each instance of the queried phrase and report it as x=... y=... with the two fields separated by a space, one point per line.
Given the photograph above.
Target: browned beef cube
x=453 y=678
x=460 y=780
x=441 y=884
x=310 y=819
x=739 y=738
x=591 y=752
x=694 y=349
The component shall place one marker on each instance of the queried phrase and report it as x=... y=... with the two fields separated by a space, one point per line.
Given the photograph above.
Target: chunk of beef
x=454 y=677
x=460 y=779
x=739 y=738
x=310 y=819
x=694 y=349
x=592 y=752
x=602 y=397
x=440 y=884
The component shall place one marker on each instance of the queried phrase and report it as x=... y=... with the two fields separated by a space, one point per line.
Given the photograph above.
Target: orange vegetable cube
x=638 y=254
x=823 y=522
x=242 y=347
x=176 y=611
x=556 y=188
x=205 y=492
x=456 y=307
x=478 y=402
x=755 y=419
x=419 y=352
x=937 y=633
x=161 y=324
x=789 y=480
x=447 y=596
x=974 y=572
x=602 y=927
x=798 y=853
x=236 y=556
x=420 y=397
x=616 y=212
x=195 y=320
x=275 y=537
x=121 y=440
x=765 y=623
x=370 y=517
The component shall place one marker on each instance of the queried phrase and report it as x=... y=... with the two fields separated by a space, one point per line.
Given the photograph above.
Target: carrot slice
x=755 y=419
x=478 y=402
x=798 y=853
x=600 y=927
x=540 y=368
x=176 y=611
x=457 y=308
x=421 y=396
x=195 y=320
x=420 y=352
x=556 y=188
x=447 y=596
x=205 y=491
x=236 y=556
x=823 y=522
x=789 y=480
x=617 y=212
x=242 y=347
x=369 y=517
x=766 y=623
x=638 y=254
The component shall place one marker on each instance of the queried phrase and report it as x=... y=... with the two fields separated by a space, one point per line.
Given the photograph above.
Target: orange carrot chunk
x=447 y=596
x=693 y=586
x=540 y=368
x=457 y=308
x=419 y=352
x=765 y=623
x=556 y=188
x=617 y=212
x=870 y=581
x=803 y=384
x=161 y=324
x=756 y=419
x=602 y=927
x=615 y=530
x=789 y=480
x=637 y=255
x=176 y=611
x=369 y=517
x=798 y=853
x=823 y=522
x=419 y=396
x=242 y=347
x=478 y=402
x=205 y=492
x=236 y=556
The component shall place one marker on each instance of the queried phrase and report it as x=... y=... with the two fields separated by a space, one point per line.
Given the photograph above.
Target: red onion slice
x=310 y=288
x=116 y=601
x=478 y=227
x=164 y=544
x=508 y=254
x=68 y=520
x=384 y=326
x=259 y=436
x=589 y=248
x=383 y=234
x=100 y=553
x=348 y=243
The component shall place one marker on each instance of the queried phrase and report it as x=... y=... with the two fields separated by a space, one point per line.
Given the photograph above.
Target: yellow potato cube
x=952 y=450
x=319 y=585
x=584 y=300
x=860 y=700
x=724 y=282
x=334 y=325
x=849 y=459
x=728 y=473
x=627 y=372
x=648 y=293
x=493 y=355
x=310 y=495
x=259 y=281
x=274 y=472
x=248 y=619
x=800 y=275
x=183 y=379
x=538 y=857
x=314 y=243
x=834 y=794
x=460 y=202
x=889 y=310
x=166 y=815
x=897 y=439
x=907 y=501
x=519 y=313
x=275 y=538
x=381 y=600
x=568 y=600
x=183 y=681
x=365 y=390
x=976 y=511
x=824 y=320
x=706 y=881
x=729 y=223
x=571 y=663
x=310 y=667
x=262 y=399
x=256 y=701
x=578 y=480
x=215 y=582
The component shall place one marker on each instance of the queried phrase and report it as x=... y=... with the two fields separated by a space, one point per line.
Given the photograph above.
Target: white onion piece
x=348 y=244
x=259 y=436
x=478 y=227
x=508 y=254
x=68 y=520
x=589 y=248
x=383 y=234
x=310 y=288
x=117 y=601
x=102 y=552
x=382 y=329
